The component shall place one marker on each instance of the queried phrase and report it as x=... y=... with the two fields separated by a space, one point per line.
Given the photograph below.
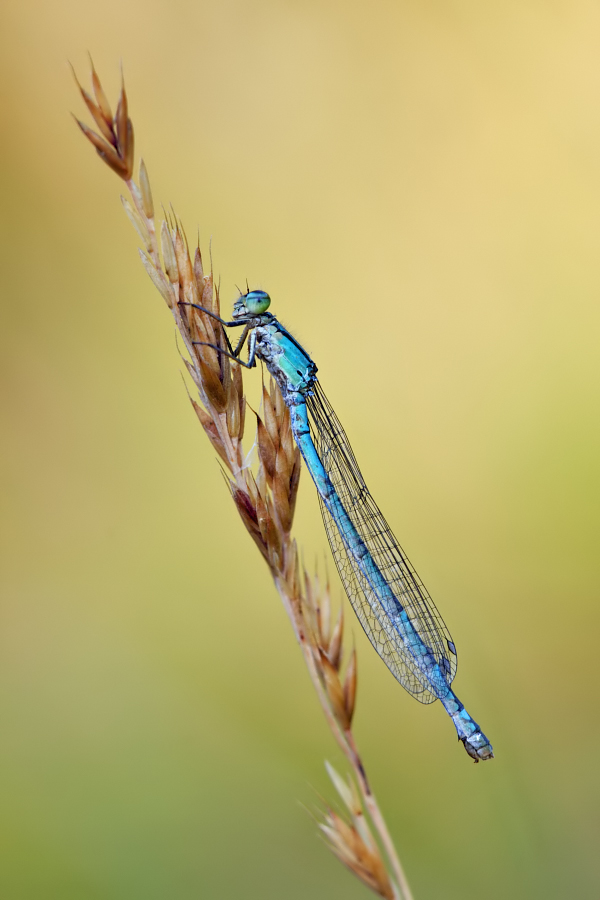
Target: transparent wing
x=336 y=455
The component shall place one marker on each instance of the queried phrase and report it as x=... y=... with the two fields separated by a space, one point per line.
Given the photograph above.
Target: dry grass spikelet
x=350 y=838
x=114 y=144
x=326 y=642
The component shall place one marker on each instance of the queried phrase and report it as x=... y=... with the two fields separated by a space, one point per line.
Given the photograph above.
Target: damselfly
x=390 y=600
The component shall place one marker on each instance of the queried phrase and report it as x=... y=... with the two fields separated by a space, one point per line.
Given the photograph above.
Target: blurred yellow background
x=417 y=185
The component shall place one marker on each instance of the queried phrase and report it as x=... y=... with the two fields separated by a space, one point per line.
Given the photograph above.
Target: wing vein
x=337 y=457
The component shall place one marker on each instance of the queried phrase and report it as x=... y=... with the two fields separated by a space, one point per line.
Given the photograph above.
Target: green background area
x=417 y=185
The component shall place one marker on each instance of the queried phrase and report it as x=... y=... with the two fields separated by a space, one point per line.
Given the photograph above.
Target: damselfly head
x=254 y=303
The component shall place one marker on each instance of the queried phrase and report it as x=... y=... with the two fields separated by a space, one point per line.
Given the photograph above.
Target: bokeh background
x=417 y=184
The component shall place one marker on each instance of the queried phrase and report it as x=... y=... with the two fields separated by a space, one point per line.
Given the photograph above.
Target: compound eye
x=257 y=302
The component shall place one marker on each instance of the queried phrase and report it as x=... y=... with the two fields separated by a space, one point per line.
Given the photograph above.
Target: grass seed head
x=207 y=294
x=99 y=94
x=275 y=538
x=212 y=385
x=334 y=651
x=266 y=449
x=281 y=503
x=295 y=481
x=323 y=614
x=270 y=418
x=198 y=270
x=168 y=252
x=333 y=687
x=159 y=280
x=265 y=502
x=248 y=515
x=348 y=792
x=187 y=281
x=211 y=432
x=350 y=683
x=116 y=141
x=345 y=842
x=286 y=438
x=138 y=224
x=105 y=125
x=292 y=570
x=146 y=191
x=233 y=411
x=262 y=515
